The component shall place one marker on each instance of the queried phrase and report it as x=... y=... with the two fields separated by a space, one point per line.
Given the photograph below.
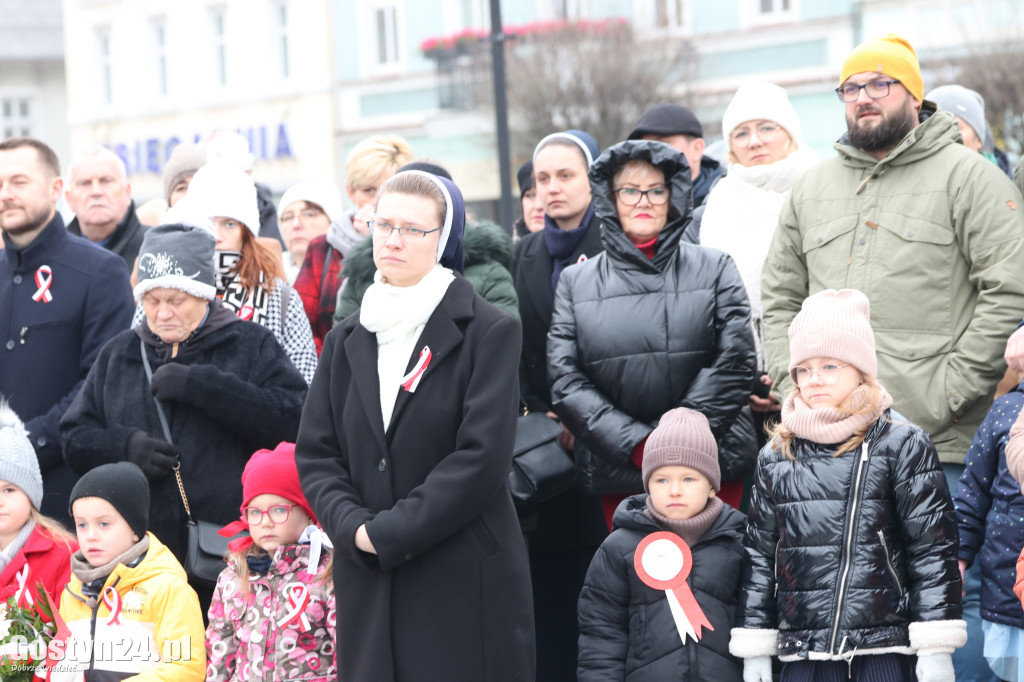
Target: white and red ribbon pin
x=411 y=380
x=298 y=600
x=112 y=600
x=663 y=561
x=23 y=591
x=44 y=278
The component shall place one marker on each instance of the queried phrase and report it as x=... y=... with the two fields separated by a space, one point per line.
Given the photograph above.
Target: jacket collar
x=42 y=247
x=128 y=226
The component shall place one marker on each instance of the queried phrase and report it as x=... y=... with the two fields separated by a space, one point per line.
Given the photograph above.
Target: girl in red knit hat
x=851 y=534
x=273 y=616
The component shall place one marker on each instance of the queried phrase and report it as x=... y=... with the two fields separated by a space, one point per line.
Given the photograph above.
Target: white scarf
x=397 y=316
x=740 y=218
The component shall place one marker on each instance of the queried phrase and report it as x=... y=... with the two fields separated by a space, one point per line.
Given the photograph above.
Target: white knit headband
x=566 y=136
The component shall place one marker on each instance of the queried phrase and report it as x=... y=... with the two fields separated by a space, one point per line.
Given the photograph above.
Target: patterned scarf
x=247 y=304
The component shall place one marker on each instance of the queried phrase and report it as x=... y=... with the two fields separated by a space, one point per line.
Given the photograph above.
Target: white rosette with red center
x=663 y=561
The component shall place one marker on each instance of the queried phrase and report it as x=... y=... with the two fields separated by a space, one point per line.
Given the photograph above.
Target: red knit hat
x=274 y=472
x=268 y=472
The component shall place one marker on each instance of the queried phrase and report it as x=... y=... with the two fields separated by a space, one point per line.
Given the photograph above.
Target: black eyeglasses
x=278 y=513
x=874 y=89
x=383 y=229
x=630 y=196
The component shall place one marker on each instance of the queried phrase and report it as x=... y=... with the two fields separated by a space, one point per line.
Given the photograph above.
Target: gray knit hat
x=18 y=462
x=683 y=438
x=179 y=257
x=965 y=103
x=185 y=160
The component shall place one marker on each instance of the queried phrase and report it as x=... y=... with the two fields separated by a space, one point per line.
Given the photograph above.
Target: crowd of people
x=776 y=378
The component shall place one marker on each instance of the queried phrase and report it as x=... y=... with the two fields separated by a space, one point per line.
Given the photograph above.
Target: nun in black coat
x=430 y=568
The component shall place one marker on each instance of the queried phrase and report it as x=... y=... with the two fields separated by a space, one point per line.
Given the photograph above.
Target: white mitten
x=758 y=669
x=930 y=668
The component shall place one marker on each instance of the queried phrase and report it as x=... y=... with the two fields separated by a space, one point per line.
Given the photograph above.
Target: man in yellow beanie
x=931 y=231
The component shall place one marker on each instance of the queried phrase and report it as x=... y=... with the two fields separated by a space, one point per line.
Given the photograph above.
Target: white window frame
x=478 y=15
x=17 y=123
x=219 y=41
x=161 y=77
x=371 y=50
x=281 y=17
x=778 y=13
x=103 y=43
x=678 y=16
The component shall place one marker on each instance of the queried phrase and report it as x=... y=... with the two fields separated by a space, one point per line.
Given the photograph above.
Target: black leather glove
x=155 y=456
x=168 y=382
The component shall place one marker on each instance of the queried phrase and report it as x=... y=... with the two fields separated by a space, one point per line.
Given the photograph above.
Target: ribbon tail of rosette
x=693 y=614
x=683 y=625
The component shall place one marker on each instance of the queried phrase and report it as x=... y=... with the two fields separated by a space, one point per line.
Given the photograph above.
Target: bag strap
x=166 y=429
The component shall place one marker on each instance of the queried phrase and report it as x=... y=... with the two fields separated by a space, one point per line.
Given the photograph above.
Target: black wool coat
x=531 y=271
x=242 y=394
x=626 y=628
x=447 y=596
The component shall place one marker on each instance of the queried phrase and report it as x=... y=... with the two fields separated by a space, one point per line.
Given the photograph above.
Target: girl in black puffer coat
x=852 y=536
x=627 y=628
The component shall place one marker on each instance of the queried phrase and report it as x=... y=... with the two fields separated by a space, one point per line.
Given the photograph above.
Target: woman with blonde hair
x=368 y=165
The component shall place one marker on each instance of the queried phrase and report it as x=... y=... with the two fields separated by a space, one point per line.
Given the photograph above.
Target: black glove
x=155 y=456
x=168 y=382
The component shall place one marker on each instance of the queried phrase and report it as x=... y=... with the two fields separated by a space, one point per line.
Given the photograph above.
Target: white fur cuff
x=937 y=636
x=748 y=642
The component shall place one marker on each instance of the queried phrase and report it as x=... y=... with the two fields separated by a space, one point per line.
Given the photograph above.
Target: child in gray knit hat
x=34 y=549
x=628 y=620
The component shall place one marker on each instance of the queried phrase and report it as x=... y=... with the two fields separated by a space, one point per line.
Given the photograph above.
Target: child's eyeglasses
x=828 y=374
x=278 y=513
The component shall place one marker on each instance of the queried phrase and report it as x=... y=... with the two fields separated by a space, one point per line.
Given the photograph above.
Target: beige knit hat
x=834 y=324
x=683 y=438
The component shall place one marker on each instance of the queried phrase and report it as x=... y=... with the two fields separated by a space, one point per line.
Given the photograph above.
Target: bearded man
x=930 y=230
x=61 y=298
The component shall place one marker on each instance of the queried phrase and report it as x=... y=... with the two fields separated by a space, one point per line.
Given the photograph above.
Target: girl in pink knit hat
x=851 y=535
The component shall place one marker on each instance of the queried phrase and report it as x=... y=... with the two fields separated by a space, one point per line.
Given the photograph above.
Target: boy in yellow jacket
x=130 y=610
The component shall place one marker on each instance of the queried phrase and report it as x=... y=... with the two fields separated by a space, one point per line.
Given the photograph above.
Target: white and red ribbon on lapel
x=298 y=600
x=23 y=591
x=411 y=380
x=663 y=561
x=112 y=600
x=44 y=278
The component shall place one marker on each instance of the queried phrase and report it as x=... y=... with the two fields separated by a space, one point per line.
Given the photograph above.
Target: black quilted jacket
x=633 y=338
x=846 y=552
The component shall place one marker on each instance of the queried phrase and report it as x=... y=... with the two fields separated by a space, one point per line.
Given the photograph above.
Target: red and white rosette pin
x=411 y=380
x=663 y=561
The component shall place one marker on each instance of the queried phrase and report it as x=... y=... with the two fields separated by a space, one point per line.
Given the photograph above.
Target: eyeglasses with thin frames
x=765 y=132
x=631 y=196
x=383 y=229
x=278 y=513
x=828 y=374
x=850 y=92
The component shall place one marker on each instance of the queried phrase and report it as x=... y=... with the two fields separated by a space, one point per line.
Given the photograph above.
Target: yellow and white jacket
x=145 y=626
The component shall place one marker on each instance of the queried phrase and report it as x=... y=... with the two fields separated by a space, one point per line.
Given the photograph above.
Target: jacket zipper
x=777 y=545
x=888 y=561
x=848 y=546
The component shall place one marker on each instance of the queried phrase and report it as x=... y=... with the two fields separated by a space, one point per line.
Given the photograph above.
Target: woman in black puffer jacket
x=648 y=325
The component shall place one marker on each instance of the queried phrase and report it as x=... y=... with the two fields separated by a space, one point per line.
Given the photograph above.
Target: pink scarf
x=827 y=425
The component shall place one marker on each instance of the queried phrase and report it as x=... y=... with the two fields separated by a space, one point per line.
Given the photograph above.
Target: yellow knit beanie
x=891 y=55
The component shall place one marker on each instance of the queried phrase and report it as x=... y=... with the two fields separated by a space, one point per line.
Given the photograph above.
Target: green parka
x=933 y=234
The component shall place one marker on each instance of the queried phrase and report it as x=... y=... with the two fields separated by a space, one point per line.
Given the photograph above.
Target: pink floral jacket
x=283 y=630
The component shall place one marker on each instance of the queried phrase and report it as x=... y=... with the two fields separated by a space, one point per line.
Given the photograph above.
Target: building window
x=16 y=116
x=160 y=54
x=769 y=11
x=775 y=6
x=669 y=14
x=103 y=61
x=385 y=27
x=570 y=10
x=476 y=14
x=281 y=27
x=220 y=48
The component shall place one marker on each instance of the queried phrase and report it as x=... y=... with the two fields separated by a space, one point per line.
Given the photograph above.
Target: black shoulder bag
x=541 y=469
x=204 y=557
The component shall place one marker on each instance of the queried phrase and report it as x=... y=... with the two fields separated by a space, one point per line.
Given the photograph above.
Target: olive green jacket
x=933 y=234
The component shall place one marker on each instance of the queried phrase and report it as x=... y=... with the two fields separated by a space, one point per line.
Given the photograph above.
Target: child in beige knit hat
x=852 y=534
x=623 y=603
